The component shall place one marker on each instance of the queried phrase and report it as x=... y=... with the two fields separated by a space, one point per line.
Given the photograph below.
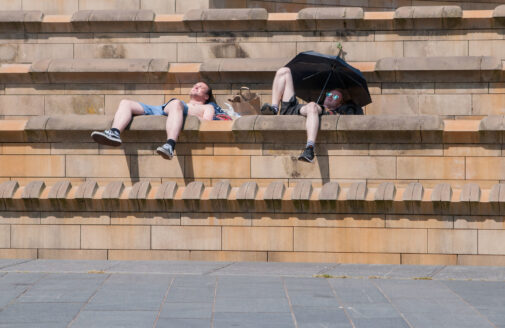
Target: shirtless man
x=199 y=105
x=283 y=90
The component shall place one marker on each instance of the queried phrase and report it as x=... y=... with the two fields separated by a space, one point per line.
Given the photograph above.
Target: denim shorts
x=159 y=110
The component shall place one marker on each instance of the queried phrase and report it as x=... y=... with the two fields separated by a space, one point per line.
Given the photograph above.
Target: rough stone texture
x=413 y=192
x=492 y=123
x=470 y=193
x=386 y=191
x=99 y=65
x=33 y=189
x=449 y=63
x=247 y=191
x=140 y=190
x=226 y=19
x=60 y=190
x=166 y=190
x=11 y=16
x=499 y=12
x=428 y=12
x=497 y=193
x=193 y=191
x=442 y=193
x=221 y=190
x=86 y=190
x=302 y=191
x=329 y=191
x=274 y=191
x=113 y=20
x=113 y=190
x=8 y=188
x=357 y=191
x=330 y=13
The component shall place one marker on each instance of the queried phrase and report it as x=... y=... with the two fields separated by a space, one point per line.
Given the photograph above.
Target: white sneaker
x=166 y=151
x=107 y=137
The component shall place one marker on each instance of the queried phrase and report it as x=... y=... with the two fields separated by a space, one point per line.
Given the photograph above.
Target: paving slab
x=187 y=310
x=4 y=263
x=274 y=269
x=471 y=273
x=168 y=267
x=383 y=271
x=110 y=319
x=60 y=266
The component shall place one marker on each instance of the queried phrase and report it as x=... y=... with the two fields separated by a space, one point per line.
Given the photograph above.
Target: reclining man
x=283 y=89
x=199 y=105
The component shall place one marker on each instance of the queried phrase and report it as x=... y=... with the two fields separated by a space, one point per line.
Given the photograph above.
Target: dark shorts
x=160 y=110
x=291 y=107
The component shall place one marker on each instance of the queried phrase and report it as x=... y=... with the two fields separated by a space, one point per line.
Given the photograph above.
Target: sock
x=171 y=142
x=116 y=131
x=310 y=143
x=275 y=108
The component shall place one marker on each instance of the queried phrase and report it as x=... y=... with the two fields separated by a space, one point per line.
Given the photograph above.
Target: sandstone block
x=362 y=167
x=156 y=166
x=393 y=104
x=444 y=241
x=101 y=166
x=21 y=105
x=220 y=167
x=497 y=193
x=45 y=236
x=441 y=193
x=419 y=222
x=278 y=167
x=386 y=191
x=113 y=190
x=483 y=260
x=258 y=238
x=5 y=234
x=33 y=190
x=329 y=191
x=470 y=193
x=334 y=257
x=167 y=51
x=356 y=51
x=431 y=168
x=86 y=190
x=18 y=253
x=115 y=237
x=78 y=254
x=429 y=259
x=188 y=238
x=53 y=7
x=32 y=166
x=436 y=48
x=8 y=188
x=75 y=218
x=247 y=191
x=360 y=240
x=357 y=191
x=413 y=192
x=236 y=19
x=489 y=104
x=445 y=104
x=159 y=6
x=167 y=190
x=485 y=168
x=216 y=219
x=490 y=242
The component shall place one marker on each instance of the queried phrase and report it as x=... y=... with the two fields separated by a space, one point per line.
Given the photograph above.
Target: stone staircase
x=416 y=180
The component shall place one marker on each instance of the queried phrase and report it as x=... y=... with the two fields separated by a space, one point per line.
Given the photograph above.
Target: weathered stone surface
x=413 y=192
x=140 y=190
x=279 y=123
x=11 y=16
x=329 y=191
x=193 y=191
x=302 y=191
x=113 y=20
x=221 y=190
x=441 y=193
x=470 y=193
x=330 y=13
x=492 y=123
x=497 y=193
x=8 y=188
x=449 y=63
x=499 y=12
x=247 y=191
x=386 y=191
x=33 y=189
x=86 y=190
x=274 y=191
x=113 y=190
x=166 y=190
x=357 y=191
x=60 y=190
x=236 y=19
x=410 y=12
x=83 y=65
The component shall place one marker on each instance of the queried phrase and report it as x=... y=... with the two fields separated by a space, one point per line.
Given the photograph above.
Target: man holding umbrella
x=311 y=75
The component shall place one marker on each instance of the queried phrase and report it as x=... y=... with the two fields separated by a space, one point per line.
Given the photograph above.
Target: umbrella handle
x=324 y=87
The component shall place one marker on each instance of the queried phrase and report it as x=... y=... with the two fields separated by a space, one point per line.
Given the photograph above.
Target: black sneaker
x=166 y=151
x=267 y=109
x=307 y=155
x=107 y=137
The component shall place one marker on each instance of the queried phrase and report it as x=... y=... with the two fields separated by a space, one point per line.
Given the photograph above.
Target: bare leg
x=175 y=111
x=311 y=111
x=282 y=86
x=125 y=111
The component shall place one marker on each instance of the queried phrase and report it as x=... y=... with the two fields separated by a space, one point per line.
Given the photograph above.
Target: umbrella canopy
x=314 y=73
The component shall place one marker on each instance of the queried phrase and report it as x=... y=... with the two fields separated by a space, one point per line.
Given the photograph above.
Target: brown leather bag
x=245 y=102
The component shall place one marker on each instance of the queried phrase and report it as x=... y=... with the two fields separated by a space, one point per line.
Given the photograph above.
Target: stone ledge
x=463 y=63
x=423 y=12
x=113 y=20
x=228 y=20
x=20 y=21
x=275 y=197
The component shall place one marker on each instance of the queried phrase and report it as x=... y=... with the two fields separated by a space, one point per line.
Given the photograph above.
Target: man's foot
x=166 y=151
x=307 y=155
x=267 y=109
x=107 y=137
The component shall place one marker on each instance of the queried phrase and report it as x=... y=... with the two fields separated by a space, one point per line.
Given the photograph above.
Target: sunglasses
x=335 y=97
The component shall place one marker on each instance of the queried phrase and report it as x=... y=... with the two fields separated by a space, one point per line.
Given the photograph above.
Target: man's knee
x=284 y=71
x=174 y=105
x=312 y=108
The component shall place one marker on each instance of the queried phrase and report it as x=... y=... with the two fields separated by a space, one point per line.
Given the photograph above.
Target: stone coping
x=276 y=197
x=159 y=70
x=243 y=19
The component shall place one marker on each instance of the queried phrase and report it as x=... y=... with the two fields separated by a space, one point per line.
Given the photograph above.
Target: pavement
x=60 y=293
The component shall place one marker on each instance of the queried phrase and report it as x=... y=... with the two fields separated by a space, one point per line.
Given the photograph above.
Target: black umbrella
x=314 y=73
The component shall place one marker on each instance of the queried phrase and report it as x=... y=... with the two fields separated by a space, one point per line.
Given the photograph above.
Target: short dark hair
x=209 y=93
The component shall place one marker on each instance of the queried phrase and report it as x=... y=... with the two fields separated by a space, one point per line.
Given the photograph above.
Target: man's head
x=333 y=99
x=201 y=92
